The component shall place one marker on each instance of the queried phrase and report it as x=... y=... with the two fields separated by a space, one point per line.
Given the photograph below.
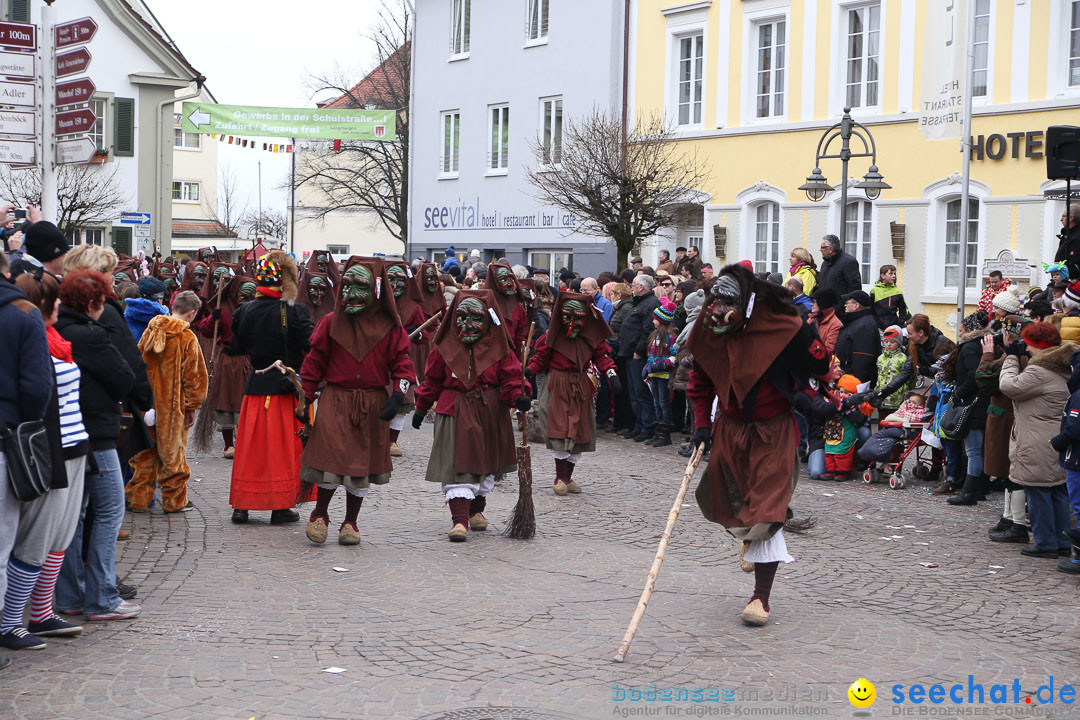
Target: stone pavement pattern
x=241 y=621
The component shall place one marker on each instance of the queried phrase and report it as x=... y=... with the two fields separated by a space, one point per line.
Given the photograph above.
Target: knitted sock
x=227 y=436
x=459 y=510
x=394 y=435
x=21 y=580
x=569 y=468
x=322 y=504
x=764 y=574
x=477 y=505
x=41 y=601
x=558 y=472
x=352 y=507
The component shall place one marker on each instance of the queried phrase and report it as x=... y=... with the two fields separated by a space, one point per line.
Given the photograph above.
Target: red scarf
x=274 y=292
x=59 y=348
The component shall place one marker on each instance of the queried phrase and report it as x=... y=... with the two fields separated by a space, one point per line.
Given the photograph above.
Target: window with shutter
x=19 y=11
x=121 y=240
x=124 y=124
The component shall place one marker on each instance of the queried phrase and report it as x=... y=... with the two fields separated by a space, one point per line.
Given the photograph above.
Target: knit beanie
x=893 y=332
x=977 y=320
x=666 y=312
x=151 y=288
x=1008 y=300
x=1072 y=296
x=45 y=242
x=848 y=383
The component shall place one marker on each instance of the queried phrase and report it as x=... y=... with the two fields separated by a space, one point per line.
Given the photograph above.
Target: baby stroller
x=889 y=448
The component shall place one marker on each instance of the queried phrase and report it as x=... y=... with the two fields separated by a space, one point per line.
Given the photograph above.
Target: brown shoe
x=746 y=565
x=230 y=451
x=458 y=533
x=123 y=535
x=316 y=530
x=560 y=487
x=572 y=487
x=395 y=450
x=478 y=522
x=349 y=534
x=943 y=488
x=755 y=613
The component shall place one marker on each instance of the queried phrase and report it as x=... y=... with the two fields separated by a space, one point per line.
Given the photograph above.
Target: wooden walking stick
x=650 y=582
x=434 y=318
x=522 y=525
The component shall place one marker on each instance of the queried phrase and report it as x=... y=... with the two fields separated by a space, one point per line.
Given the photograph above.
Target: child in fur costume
x=842 y=429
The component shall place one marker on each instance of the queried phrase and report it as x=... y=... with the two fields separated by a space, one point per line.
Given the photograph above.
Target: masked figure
x=575 y=338
x=194 y=279
x=432 y=302
x=752 y=353
x=357 y=351
x=502 y=282
x=398 y=277
x=209 y=255
x=473 y=376
x=272 y=327
x=317 y=294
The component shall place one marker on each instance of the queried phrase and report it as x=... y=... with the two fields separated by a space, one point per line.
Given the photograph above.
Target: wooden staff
x=650 y=582
x=522 y=525
x=416 y=333
x=213 y=344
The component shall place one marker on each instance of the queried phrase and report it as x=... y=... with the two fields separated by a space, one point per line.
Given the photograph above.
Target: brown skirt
x=750 y=478
x=231 y=373
x=441 y=462
x=999 y=423
x=419 y=353
x=348 y=439
x=567 y=413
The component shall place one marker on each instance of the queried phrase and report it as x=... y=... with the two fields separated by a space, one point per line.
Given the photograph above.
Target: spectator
x=633 y=337
x=1039 y=393
x=842 y=427
x=995 y=284
x=681 y=260
x=706 y=271
x=665 y=263
x=682 y=291
x=804 y=268
x=894 y=371
x=1005 y=303
x=592 y=289
x=1069 y=322
x=923 y=344
x=1068 y=250
x=636 y=263
x=665 y=287
x=139 y=311
x=660 y=360
x=694 y=262
x=622 y=301
x=565 y=278
x=1055 y=269
x=858 y=343
x=839 y=271
x=802 y=303
x=1038 y=310
x=45 y=249
x=545 y=301
x=969 y=355
x=1067 y=443
x=887 y=301
x=450 y=262
x=824 y=317
x=627 y=276
x=684 y=362
x=88 y=584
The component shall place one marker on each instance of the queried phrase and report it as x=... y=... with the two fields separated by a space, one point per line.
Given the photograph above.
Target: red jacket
x=442 y=386
x=330 y=362
x=545 y=356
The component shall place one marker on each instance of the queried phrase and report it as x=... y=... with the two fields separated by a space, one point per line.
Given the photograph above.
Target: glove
x=390 y=408
x=703 y=435
x=874 y=399
x=523 y=403
x=302 y=415
x=528 y=375
x=216 y=313
x=1018 y=348
x=613 y=384
x=417 y=420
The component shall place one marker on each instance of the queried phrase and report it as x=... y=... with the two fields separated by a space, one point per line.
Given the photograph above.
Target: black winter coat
x=967 y=362
x=858 y=346
x=1069 y=250
x=259 y=331
x=106 y=377
x=637 y=326
x=840 y=273
x=892 y=310
x=926 y=352
x=27 y=380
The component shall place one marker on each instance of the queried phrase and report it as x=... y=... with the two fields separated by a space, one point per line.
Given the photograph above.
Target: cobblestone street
x=243 y=621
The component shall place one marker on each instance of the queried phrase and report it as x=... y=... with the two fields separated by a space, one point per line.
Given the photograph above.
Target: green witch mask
x=573 y=318
x=472 y=320
x=395 y=275
x=246 y=292
x=431 y=280
x=505 y=281
x=357 y=289
x=316 y=291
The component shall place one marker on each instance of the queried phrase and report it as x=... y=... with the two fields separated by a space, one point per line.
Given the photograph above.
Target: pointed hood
x=468 y=362
x=506 y=304
x=327 y=306
x=410 y=299
x=596 y=329
x=430 y=302
x=359 y=334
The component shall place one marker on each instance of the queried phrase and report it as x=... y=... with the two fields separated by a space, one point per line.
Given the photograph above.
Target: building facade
x=492 y=80
x=752 y=85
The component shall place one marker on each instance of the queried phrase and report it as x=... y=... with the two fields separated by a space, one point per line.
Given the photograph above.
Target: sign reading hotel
x=470 y=216
x=941 y=112
x=299 y=123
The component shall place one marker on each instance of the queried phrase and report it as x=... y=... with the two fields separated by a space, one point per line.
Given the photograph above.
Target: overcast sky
x=260 y=53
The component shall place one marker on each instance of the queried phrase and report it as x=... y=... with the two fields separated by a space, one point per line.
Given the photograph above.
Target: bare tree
x=374 y=175
x=231 y=209
x=626 y=192
x=87 y=194
x=273 y=223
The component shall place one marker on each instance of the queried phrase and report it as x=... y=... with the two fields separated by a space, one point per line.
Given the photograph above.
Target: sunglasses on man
x=667 y=284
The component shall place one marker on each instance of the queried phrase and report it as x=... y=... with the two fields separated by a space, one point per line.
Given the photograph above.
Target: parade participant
x=502 y=282
x=208 y=255
x=270 y=328
x=474 y=375
x=432 y=302
x=398 y=276
x=575 y=338
x=751 y=351
x=317 y=295
x=322 y=261
x=166 y=273
x=356 y=351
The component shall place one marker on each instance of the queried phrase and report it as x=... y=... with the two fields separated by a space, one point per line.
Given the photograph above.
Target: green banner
x=300 y=123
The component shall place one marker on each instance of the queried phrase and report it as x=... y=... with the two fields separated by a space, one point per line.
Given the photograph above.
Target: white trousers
x=398 y=422
x=358 y=492
x=469 y=491
x=563 y=455
x=772 y=550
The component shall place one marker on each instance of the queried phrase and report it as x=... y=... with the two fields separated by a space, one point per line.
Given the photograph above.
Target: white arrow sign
x=14 y=64
x=75 y=150
x=17 y=93
x=198 y=117
x=17 y=152
x=15 y=122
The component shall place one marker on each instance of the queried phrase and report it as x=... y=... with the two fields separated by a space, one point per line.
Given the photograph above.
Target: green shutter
x=19 y=11
x=121 y=240
x=124 y=124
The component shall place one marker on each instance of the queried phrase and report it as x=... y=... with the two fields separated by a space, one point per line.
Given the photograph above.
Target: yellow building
x=752 y=85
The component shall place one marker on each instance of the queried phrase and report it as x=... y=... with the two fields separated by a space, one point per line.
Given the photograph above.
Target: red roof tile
x=200 y=228
x=379 y=87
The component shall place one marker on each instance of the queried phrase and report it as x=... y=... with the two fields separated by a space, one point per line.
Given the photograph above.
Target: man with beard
x=270 y=328
x=356 y=351
x=502 y=282
x=576 y=337
x=316 y=294
x=752 y=354
x=398 y=276
x=474 y=376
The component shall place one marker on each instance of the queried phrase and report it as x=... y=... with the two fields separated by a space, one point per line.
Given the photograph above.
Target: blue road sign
x=134 y=218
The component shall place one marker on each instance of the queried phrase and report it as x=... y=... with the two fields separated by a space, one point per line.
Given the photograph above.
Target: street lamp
x=872 y=183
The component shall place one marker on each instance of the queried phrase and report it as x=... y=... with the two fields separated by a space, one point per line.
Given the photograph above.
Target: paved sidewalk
x=242 y=621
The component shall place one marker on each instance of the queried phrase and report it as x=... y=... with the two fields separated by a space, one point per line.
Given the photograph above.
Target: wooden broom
x=522 y=525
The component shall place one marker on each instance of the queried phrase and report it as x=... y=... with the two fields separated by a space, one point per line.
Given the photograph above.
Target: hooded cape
x=189 y=274
x=505 y=304
x=359 y=334
x=410 y=299
x=430 y=303
x=327 y=307
x=469 y=362
x=596 y=330
x=208 y=295
x=331 y=267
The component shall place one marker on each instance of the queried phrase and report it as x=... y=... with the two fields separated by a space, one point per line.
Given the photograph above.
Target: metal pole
x=258 y=229
x=965 y=181
x=49 y=194
x=845 y=155
x=292 y=201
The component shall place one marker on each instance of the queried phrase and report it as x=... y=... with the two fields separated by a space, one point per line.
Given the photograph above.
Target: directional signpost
x=73 y=62
x=75 y=91
x=17 y=64
x=302 y=123
x=17 y=152
x=75 y=32
x=74 y=121
x=75 y=150
x=134 y=218
x=18 y=35
x=17 y=93
x=15 y=122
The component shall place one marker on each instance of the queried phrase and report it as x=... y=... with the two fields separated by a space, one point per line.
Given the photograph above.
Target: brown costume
x=431 y=303
x=318 y=312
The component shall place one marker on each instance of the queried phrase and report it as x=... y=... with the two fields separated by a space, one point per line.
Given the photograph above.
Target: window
x=536 y=25
x=498 y=158
x=459 y=27
x=952 y=243
x=186 y=141
x=100 y=106
x=863 y=48
x=185 y=191
x=552 y=140
x=691 y=67
x=552 y=260
x=767 y=237
x=981 y=69
x=858 y=235
x=121 y=240
x=1074 y=44
x=451 y=129
x=86 y=236
x=771 y=62
x=337 y=249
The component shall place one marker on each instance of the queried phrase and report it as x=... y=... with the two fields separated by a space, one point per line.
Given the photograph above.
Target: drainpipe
x=159 y=164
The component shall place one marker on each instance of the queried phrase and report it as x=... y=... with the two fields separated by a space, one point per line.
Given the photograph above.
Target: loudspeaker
x=1062 y=152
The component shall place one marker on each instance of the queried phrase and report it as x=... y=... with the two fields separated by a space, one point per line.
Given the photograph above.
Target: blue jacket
x=451 y=260
x=1067 y=441
x=138 y=312
x=605 y=306
x=26 y=383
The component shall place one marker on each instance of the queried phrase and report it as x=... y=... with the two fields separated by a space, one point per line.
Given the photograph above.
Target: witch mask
x=397 y=278
x=472 y=320
x=730 y=306
x=357 y=289
x=504 y=281
x=572 y=315
x=316 y=291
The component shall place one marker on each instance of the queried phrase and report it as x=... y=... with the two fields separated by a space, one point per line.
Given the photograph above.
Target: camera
x=20 y=213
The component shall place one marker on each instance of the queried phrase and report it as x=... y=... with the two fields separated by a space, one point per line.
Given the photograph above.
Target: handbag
x=29 y=459
x=957 y=418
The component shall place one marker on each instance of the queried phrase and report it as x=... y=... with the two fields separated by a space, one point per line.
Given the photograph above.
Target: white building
x=490 y=78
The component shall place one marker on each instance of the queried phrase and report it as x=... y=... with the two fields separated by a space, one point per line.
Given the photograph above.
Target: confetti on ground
x=341 y=569
x=334 y=670
x=928 y=564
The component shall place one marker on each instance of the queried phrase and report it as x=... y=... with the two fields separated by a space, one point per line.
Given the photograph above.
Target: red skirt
x=266 y=468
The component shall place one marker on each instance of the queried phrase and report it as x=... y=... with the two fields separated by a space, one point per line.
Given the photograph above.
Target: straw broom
x=650 y=582
x=522 y=524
